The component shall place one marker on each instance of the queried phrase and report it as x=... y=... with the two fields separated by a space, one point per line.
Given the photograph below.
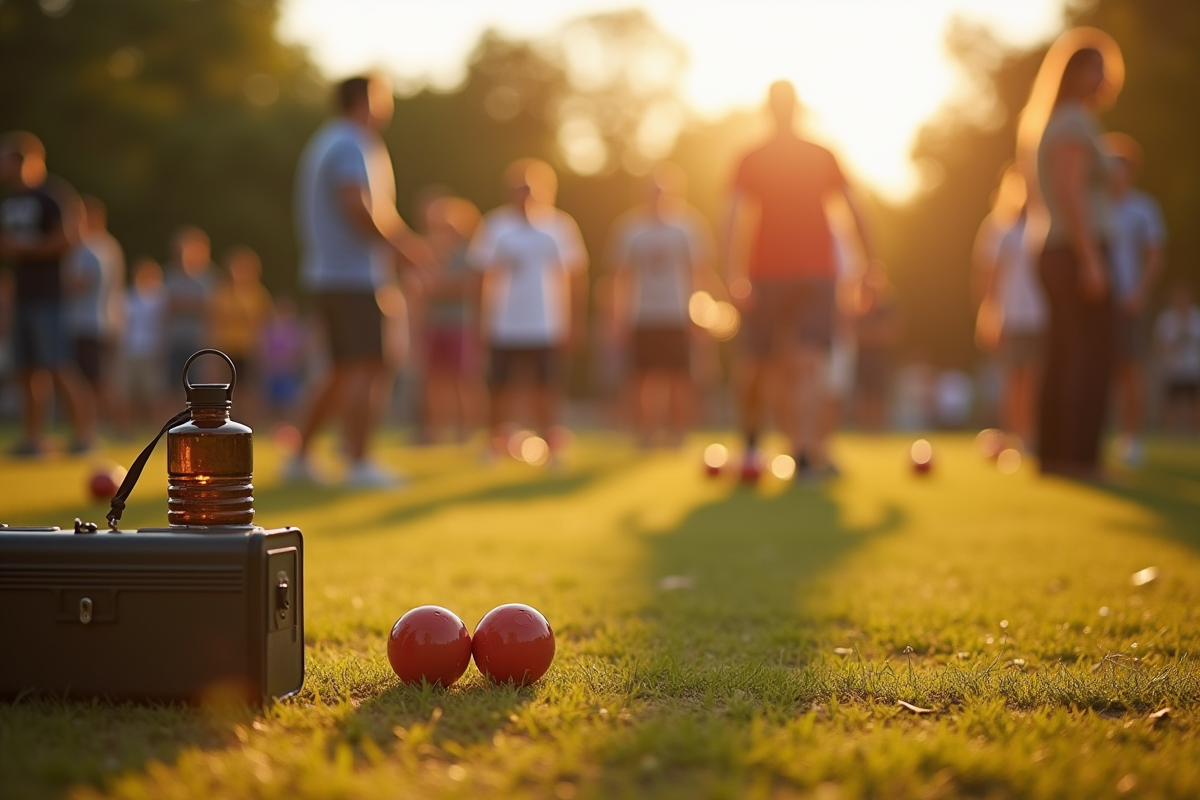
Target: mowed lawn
x=713 y=641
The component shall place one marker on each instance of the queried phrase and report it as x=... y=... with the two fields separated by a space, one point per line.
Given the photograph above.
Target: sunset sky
x=870 y=71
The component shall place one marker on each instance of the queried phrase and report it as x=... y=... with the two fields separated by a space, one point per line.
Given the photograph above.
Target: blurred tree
x=928 y=241
x=169 y=110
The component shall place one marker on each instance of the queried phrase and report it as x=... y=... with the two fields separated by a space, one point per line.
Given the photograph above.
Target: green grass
x=1001 y=603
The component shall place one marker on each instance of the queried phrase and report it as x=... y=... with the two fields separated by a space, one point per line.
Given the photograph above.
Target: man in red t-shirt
x=787 y=287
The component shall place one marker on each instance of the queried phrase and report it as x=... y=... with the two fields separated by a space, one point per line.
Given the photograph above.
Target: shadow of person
x=730 y=580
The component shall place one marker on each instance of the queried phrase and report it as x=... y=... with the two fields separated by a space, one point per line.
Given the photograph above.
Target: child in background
x=1177 y=334
x=239 y=311
x=534 y=292
x=141 y=348
x=453 y=393
x=284 y=355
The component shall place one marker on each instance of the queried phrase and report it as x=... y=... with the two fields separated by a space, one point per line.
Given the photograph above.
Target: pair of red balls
x=512 y=642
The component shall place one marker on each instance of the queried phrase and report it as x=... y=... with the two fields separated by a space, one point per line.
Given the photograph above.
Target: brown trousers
x=1078 y=368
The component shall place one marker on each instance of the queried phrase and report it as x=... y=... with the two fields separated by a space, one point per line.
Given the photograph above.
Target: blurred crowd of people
x=1066 y=265
x=489 y=309
x=109 y=343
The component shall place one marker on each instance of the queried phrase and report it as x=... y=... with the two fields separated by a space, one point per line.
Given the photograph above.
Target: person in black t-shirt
x=33 y=239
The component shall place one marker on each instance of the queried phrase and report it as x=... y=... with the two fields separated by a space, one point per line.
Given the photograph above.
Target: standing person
x=350 y=234
x=1177 y=335
x=534 y=269
x=141 y=354
x=1012 y=313
x=876 y=329
x=189 y=281
x=658 y=253
x=453 y=393
x=284 y=358
x=787 y=289
x=1138 y=237
x=35 y=235
x=94 y=274
x=240 y=309
x=1061 y=150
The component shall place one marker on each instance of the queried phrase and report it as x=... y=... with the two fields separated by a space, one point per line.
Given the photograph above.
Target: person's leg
x=1056 y=408
x=751 y=377
x=1129 y=397
x=365 y=392
x=324 y=404
x=682 y=405
x=80 y=402
x=34 y=395
x=811 y=392
x=645 y=391
x=1095 y=355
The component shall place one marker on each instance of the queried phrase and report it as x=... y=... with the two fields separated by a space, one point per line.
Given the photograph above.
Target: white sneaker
x=298 y=470
x=366 y=475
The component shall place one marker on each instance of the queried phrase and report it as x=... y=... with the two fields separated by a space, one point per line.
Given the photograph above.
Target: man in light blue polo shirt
x=1136 y=259
x=350 y=235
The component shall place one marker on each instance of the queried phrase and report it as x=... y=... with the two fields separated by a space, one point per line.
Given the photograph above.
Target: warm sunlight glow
x=870 y=72
x=715 y=455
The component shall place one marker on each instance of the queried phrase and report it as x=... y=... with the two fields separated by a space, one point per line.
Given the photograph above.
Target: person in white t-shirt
x=659 y=252
x=1177 y=335
x=534 y=267
x=1135 y=263
x=1012 y=313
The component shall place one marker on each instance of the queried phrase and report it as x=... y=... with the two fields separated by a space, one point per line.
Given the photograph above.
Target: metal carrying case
x=183 y=613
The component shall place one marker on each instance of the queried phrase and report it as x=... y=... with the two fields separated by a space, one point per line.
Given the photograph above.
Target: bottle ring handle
x=187 y=365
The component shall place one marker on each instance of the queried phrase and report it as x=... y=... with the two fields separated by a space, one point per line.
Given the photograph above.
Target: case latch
x=85 y=610
x=282 y=599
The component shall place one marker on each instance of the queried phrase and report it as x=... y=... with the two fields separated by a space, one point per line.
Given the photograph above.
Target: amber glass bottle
x=210 y=458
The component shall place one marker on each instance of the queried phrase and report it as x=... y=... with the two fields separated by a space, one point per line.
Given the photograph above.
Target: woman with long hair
x=1061 y=151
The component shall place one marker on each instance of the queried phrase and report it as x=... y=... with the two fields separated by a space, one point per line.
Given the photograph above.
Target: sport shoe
x=366 y=475
x=28 y=449
x=751 y=467
x=298 y=470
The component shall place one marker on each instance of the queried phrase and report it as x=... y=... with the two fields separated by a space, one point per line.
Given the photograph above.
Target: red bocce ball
x=429 y=643
x=104 y=482
x=513 y=642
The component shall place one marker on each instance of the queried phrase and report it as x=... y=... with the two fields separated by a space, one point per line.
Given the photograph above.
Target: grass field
x=771 y=663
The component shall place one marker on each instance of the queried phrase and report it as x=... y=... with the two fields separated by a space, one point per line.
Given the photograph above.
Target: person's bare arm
x=1069 y=162
x=983 y=258
x=729 y=242
x=384 y=223
x=860 y=222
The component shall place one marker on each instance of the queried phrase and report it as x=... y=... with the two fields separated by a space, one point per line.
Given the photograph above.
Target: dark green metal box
x=188 y=614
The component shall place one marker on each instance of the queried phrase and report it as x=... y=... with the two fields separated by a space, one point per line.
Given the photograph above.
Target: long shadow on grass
x=731 y=576
x=728 y=631
x=48 y=746
x=1170 y=488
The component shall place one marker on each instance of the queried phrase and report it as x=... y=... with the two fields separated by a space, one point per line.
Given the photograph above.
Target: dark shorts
x=787 y=313
x=39 y=339
x=452 y=350
x=178 y=353
x=661 y=350
x=1021 y=350
x=94 y=358
x=353 y=325
x=537 y=365
x=1129 y=337
x=1183 y=391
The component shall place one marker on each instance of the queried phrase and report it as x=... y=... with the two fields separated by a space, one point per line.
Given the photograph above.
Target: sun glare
x=869 y=72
